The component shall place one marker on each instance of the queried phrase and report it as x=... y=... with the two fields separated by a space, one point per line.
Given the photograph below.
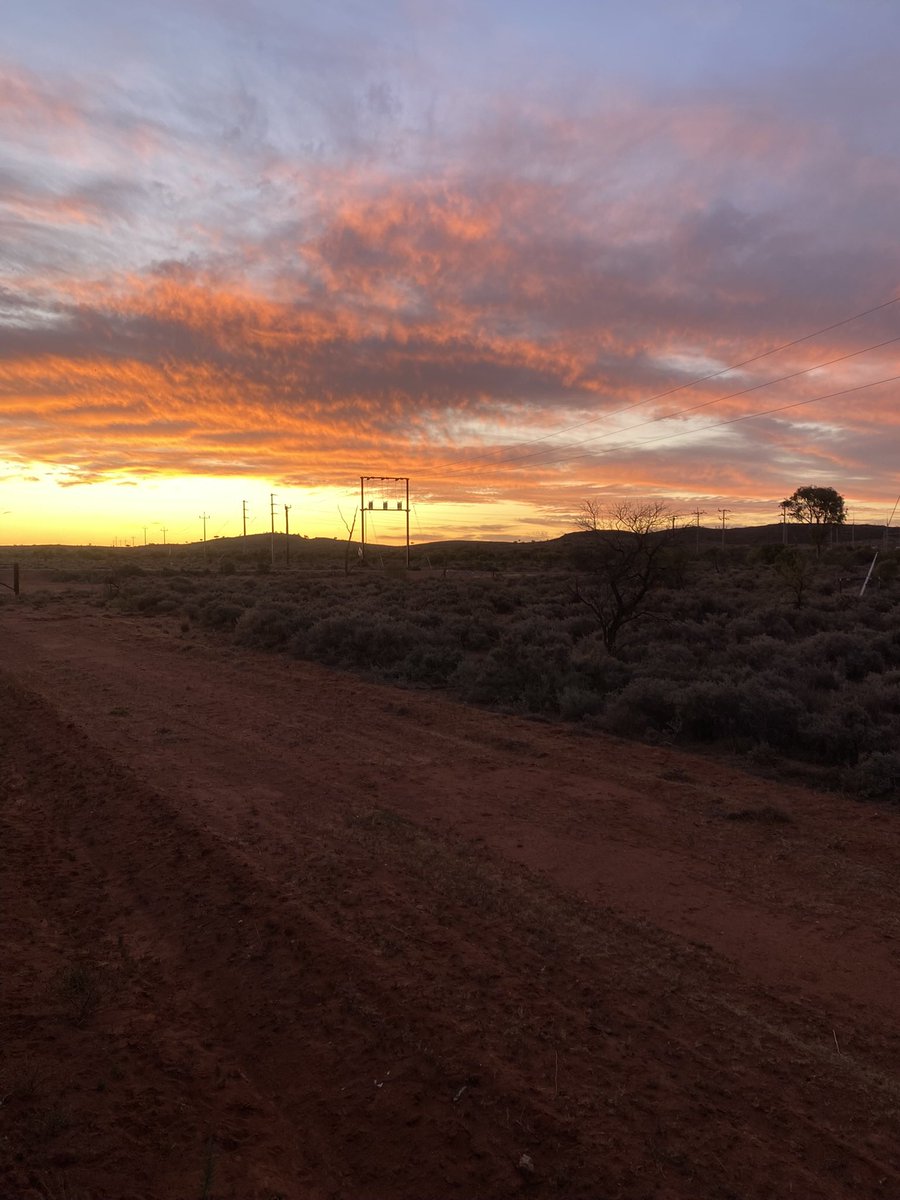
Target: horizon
x=865 y=532
x=523 y=258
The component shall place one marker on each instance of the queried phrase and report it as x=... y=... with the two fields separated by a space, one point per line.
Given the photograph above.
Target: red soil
x=268 y=930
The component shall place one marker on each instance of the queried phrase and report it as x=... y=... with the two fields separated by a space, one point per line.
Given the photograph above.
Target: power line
x=466 y=462
x=734 y=420
x=565 y=452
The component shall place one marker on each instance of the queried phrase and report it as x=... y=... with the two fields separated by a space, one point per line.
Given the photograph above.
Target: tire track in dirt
x=801 y=905
x=284 y=969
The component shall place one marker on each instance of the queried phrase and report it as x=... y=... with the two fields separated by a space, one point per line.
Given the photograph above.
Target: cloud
x=201 y=280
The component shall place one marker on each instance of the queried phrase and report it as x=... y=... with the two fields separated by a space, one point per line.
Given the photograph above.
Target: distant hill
x=254 y=552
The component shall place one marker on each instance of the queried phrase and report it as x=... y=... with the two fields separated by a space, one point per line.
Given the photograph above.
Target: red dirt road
x=271 y=931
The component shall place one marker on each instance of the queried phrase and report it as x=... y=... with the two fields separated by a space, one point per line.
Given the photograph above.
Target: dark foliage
x=723 y=657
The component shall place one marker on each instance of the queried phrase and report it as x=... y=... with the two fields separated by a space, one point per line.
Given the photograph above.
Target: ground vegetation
x=768 y=652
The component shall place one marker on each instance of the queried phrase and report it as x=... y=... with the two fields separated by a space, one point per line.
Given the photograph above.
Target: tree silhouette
x=797 y=569
x=624 y=565
x=589 y=515
x=819 y=507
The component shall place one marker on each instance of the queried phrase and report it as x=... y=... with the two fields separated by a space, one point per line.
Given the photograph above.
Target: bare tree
x=798 y=571
x=625 y=564
x=589 y=515
x=349 y=527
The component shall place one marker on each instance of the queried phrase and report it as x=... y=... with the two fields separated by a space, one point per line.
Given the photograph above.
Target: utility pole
x=393 y=494
x=724 y=512
x=204 y=517
x=244 y=510
x=362 y=517
x=698 y=513
x=272 y=513
x=145 y=535
x=784 y=505
x=287 y=535
x=164 y=532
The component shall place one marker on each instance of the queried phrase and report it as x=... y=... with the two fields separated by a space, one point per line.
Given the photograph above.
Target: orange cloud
x=405 y=326
x=26 y=101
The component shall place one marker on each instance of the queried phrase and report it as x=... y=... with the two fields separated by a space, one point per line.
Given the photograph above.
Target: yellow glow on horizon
x=39 y=506
x=37 y=509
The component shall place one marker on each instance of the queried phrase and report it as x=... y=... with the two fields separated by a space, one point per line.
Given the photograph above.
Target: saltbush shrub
x=725 y=658
x=643 y=705
x=876 y=776
x=577 y=702
x=268 y=626
x=521 y=677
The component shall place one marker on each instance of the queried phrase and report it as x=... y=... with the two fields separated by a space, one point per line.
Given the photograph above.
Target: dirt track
x=273 y=931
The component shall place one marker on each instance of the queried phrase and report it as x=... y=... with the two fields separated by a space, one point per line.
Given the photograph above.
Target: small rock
x=526 y=1164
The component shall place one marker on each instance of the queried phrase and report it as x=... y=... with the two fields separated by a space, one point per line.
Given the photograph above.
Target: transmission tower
x=384 y=494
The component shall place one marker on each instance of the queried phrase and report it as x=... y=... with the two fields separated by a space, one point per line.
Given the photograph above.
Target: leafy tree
x=819 y=507
x=816 y=506
x=624 y=565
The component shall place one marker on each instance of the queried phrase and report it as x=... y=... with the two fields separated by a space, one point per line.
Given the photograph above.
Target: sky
x=525 y=254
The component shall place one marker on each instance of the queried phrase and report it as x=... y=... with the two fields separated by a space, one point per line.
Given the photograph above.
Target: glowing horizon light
x=124 y=512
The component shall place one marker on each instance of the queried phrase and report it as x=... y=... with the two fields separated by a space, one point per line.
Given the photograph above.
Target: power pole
x=784 y=505
x=393 y=493
x=164 y=532
x=145 y=535
x=244 y=510
x=698 y=513
x=204 y=517
x=362 y=517
x=724 y=512
x=287 y=535
x=272 y=513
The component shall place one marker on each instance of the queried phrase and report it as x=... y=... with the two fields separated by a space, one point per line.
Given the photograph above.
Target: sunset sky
x=508 y=248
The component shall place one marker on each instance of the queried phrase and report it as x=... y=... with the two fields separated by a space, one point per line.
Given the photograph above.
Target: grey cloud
x=613 y=234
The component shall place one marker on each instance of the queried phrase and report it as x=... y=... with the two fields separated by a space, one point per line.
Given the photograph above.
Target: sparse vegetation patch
x=768 y=652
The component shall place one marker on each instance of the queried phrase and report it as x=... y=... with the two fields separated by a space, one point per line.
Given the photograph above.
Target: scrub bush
x=876 y=776
x=724 y=658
